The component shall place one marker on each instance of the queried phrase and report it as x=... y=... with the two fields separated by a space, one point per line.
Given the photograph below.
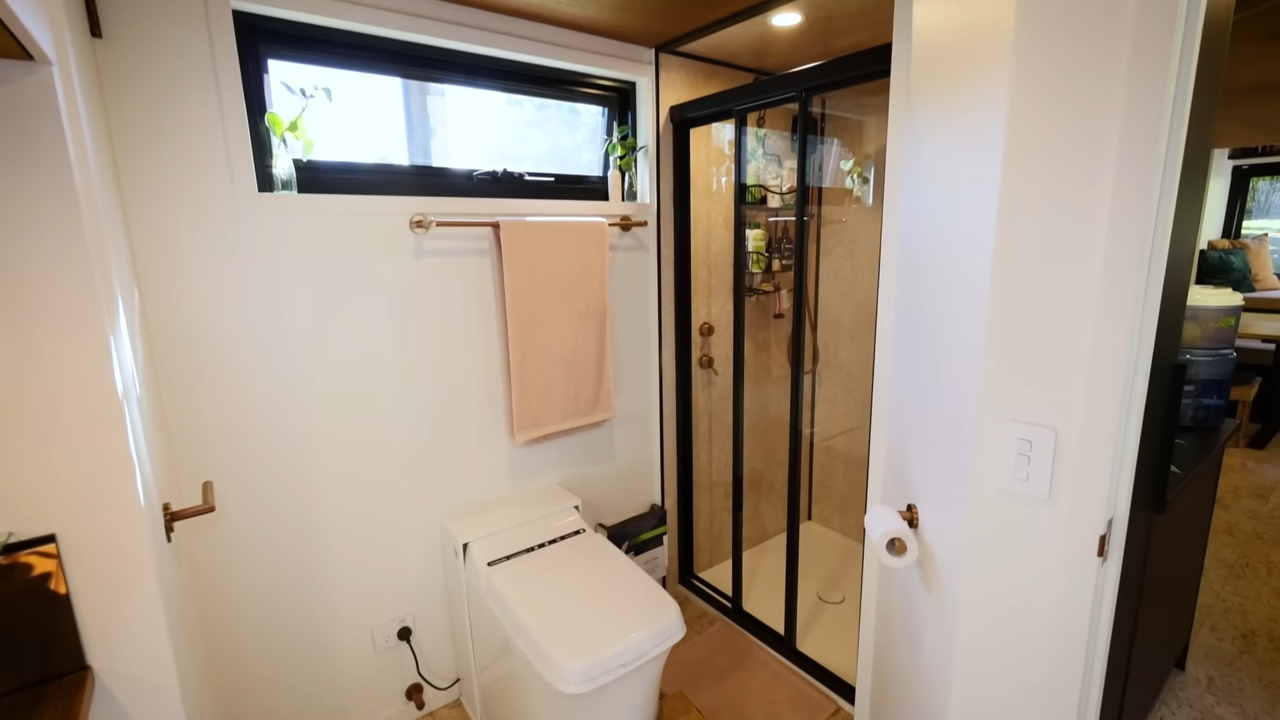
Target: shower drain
x=831 y=598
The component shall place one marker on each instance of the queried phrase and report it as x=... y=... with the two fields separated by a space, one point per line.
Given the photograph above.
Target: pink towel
x=556 y=279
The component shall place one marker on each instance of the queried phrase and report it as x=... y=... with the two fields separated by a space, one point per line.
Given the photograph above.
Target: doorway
x=778 y=244
x=1194 y=629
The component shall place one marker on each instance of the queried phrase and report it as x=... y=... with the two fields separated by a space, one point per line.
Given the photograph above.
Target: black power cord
x=403 y=635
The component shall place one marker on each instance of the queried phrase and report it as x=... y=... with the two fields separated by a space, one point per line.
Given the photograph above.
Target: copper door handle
x=205 y=507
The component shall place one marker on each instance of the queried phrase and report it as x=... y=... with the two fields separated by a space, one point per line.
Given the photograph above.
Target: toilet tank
x=484 y=521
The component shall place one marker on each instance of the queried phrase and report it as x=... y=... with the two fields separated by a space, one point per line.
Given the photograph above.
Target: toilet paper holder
x=911 y=515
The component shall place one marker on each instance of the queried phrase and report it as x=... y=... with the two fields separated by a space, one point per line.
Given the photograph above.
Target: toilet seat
x=580 y=609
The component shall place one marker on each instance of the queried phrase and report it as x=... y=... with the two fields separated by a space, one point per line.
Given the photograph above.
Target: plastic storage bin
x=1212 y=319
x=1207 y=389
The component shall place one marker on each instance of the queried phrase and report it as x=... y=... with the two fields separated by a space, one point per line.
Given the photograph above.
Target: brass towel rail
x=421 y=224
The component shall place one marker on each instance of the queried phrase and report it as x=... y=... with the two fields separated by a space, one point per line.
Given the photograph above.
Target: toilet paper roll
x=884 y=528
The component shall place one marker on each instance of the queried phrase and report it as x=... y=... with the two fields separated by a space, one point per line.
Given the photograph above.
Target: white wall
x=80 y=442
x=1019 y=232
x=340 y=379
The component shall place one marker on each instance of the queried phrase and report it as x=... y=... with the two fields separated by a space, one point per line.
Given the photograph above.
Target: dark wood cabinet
x=1158 y=623
x=43 y=671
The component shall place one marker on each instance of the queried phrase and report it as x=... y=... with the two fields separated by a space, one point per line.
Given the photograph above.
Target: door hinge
x=1104 y=542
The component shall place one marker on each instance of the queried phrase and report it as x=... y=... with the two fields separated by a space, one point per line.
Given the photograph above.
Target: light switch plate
x=1026 y=459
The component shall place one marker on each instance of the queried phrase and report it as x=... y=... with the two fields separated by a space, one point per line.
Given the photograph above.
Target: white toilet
x=550 y=620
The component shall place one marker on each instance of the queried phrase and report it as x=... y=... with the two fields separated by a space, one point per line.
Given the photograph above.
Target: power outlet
x=384 y=635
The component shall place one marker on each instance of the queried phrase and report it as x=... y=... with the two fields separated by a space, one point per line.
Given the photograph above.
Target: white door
x=78 y=451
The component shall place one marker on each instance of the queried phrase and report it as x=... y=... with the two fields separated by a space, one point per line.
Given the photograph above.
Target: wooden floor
x=1233 y=670
x=674 y=707
x=697 y=620
x=678 y=707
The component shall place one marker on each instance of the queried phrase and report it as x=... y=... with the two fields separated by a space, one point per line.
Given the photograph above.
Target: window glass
x=1262 y=211
x=384 y=119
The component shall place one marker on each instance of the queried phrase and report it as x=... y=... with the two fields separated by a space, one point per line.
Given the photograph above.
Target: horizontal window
x=361 y=114
x=1253 y=204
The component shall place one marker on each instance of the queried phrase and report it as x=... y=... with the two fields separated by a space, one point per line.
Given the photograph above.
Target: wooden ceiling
x=644 y=22
x=1249 y=107
x=831 y=28
x=10 y=48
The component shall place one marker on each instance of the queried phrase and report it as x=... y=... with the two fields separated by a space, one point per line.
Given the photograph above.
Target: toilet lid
x=579 y=607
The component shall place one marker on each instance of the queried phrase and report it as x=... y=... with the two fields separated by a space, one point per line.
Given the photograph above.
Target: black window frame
x=1238 y=194
x=261 y=37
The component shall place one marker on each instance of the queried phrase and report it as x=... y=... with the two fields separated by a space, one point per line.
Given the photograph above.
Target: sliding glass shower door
x=843 y=280
x=778 y=222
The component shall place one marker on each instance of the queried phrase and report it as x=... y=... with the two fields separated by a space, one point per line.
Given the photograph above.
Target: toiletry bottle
x=615 y=181
x=773 y=187
x=757 y=248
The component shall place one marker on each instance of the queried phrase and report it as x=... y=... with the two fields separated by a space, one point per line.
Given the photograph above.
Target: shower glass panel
x=767 y=214
x=843 y=253
x=777 y=215
x=712 y=154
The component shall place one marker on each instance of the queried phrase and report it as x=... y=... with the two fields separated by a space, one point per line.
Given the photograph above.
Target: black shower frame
x=799 y=87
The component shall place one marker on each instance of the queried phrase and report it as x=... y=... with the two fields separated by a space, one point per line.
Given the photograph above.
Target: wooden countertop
x=65 y=699
x=1260 y=326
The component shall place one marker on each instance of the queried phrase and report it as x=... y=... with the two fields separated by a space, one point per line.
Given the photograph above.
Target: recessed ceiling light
x=786 y=19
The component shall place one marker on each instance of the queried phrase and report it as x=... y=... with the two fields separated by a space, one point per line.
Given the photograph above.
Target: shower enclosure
x=778 y=211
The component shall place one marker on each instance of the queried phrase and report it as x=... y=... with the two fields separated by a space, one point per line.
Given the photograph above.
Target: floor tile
x=697 y=618
x=1204 y=609
x=1256 y=576
x=1175 y=709
x=1221 y=694
x=1240 y=639
x=1244 y=514
x=729 y=676
x=678 y=707
x=1233 y=671
x=1258 y=466
x=452 y=711
x=1219 y=563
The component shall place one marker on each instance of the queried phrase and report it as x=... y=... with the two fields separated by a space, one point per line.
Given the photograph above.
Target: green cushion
x=1225 y=268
